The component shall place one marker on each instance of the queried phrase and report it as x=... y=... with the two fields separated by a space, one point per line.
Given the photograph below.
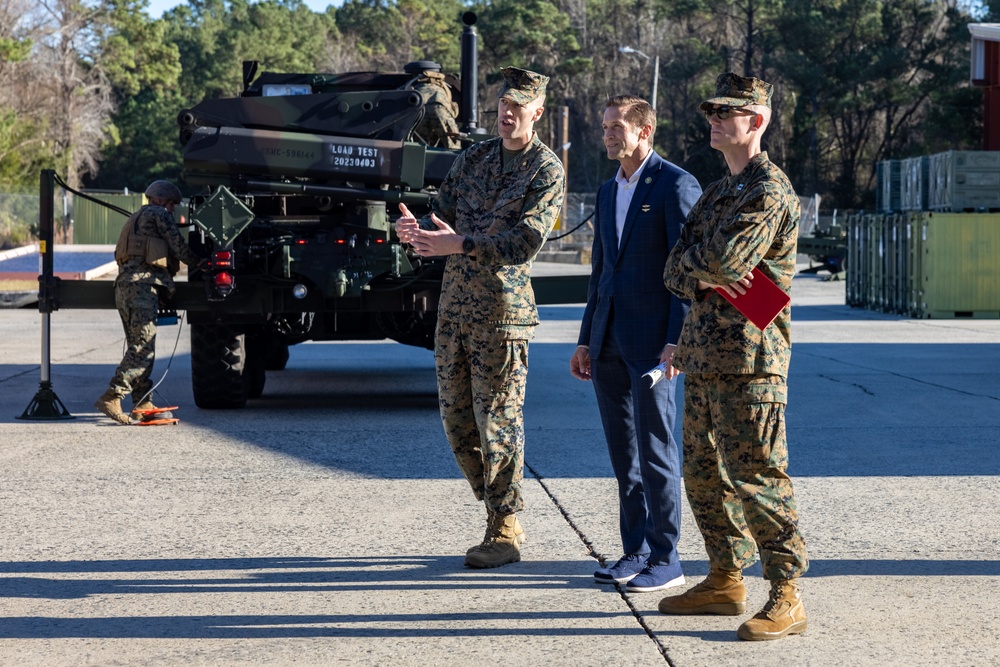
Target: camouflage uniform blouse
x=157 y=221
x=739 y=222
x=509 y=210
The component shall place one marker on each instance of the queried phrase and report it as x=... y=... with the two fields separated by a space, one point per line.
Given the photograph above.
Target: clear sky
x=157 y=7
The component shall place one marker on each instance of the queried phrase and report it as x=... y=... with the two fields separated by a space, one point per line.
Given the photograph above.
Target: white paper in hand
x=656 y=374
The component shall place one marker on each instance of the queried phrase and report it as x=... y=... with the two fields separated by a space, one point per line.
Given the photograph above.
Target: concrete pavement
x=326 y=523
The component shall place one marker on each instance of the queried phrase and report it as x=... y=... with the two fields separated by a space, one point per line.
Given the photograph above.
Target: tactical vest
x=152 y=249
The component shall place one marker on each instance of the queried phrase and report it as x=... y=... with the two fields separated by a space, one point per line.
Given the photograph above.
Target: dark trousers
x=638 y=425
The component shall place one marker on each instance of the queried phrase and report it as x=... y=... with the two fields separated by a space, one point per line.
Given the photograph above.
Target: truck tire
x=218 y=367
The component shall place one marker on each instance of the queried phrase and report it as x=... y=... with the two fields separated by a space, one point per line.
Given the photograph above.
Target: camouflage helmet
x=734 y=90
x=164 y=190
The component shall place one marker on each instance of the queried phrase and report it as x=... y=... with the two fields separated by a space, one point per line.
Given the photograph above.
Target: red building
x=986 y=74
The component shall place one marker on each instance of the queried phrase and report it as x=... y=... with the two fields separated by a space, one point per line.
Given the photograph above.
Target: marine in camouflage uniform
x=439 y=124
x=139 y=288
x=735 y=451
x=492 y=214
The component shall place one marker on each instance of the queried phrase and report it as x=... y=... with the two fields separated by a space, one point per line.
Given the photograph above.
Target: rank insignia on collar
x=645 y=208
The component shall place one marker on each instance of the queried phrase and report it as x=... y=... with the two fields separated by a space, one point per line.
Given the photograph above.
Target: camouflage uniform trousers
x=481 y=379
x=735 y=457
x=137 y=305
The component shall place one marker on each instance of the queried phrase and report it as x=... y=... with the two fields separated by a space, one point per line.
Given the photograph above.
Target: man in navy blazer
x=630 y=325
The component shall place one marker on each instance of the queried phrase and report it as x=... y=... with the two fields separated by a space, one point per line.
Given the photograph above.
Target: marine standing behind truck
x=490 y=218
x=149 y=251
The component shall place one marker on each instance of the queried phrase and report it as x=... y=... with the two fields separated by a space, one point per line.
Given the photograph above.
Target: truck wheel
x=218 y=365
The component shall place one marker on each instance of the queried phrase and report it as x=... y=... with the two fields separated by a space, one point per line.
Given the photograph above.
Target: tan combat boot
x=147 y=404
x=146 y=411
x=782 y=615
x=518 y=532
x=501 y=545
x=722 y=592
x=111 y=405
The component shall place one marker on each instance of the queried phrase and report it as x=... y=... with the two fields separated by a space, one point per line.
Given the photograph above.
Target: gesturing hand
x=427 y=243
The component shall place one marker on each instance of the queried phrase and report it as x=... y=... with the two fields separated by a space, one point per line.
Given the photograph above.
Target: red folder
x=762 y=302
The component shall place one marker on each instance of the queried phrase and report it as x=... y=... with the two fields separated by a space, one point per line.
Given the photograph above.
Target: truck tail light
x=222 y=258
x=224 y=282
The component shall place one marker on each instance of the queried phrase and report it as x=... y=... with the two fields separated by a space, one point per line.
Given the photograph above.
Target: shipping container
x=959 y=273
x=915 y=187
x=965 y=181
x=888 y=185
x=925 y=264
x=854 y=289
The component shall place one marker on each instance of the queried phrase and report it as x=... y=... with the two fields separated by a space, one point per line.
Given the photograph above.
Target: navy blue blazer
x=629 y=277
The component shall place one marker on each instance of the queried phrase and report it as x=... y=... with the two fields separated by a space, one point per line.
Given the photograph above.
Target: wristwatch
x=468 y=245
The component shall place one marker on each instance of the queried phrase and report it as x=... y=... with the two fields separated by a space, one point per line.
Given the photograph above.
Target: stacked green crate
x=889 y=263
x=915 y=251
x=888 y=185
x=958 y=265
x=915 y=184
x=874 y=257
x=965 y=181
x=853 y=289
x=901 y=299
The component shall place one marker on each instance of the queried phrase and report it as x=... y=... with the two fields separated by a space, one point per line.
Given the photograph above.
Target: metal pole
x=46 y=405
x=656 y=79
x=564 y=155
x=470 y=75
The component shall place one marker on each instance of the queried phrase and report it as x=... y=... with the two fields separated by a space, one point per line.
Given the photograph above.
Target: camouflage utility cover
x=508 y=210
x=521 y=85
x=741 y=223
x=739 y=91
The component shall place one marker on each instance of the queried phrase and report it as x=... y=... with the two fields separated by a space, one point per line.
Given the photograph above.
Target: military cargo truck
x=302 y=177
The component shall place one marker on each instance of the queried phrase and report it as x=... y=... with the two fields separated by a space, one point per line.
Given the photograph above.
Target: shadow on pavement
x=284 y=575
x=312 y=625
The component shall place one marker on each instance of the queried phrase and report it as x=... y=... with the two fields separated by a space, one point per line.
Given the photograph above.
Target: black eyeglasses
x=725 y=112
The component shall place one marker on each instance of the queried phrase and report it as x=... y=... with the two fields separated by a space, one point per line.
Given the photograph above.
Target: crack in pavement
x=898 y=375
x=600 y=559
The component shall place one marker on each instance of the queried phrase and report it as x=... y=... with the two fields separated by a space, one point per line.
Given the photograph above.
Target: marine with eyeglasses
x=735 y=388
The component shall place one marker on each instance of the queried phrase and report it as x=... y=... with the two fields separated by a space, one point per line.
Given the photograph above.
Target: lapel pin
x=649 y=179
x=645 y=208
